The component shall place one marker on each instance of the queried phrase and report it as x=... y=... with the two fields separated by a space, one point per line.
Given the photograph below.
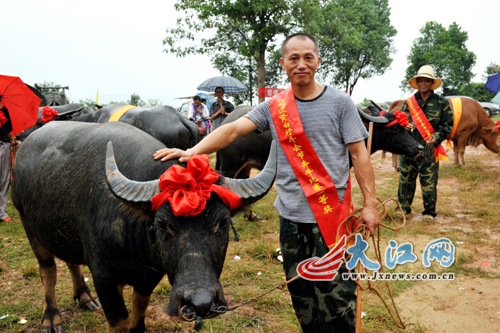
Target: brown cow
x=475 y=128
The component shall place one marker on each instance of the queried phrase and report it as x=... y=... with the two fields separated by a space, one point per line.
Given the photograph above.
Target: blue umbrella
x=228 y=83
x=493 y=83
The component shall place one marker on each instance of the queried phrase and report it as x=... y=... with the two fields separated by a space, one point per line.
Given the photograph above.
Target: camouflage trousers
x=322 y=306
x=428 y=172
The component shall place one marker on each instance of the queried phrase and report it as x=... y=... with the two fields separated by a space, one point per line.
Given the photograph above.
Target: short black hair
x=301 y=35
x=196 y=98
x=203 y=100
x=219 y=88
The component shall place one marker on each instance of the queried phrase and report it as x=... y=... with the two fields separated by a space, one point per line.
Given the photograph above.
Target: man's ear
x=282 y=63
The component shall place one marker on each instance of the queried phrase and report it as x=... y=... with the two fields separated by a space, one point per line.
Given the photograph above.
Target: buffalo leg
x=244 y=173
x=111 y=297
x=139 y=305
x=80 y=290
x=455 y=153
x=51 y=319
x=462 y=143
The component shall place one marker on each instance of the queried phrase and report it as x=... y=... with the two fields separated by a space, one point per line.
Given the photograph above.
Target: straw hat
x=428 y=72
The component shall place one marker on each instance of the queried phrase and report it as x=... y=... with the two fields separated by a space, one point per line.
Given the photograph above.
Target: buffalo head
x=390 y=136
x=191 y=249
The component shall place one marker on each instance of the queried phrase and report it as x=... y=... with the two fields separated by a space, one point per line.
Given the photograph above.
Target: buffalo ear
x=490 y=130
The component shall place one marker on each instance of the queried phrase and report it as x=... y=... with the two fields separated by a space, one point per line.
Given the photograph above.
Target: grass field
x=468 y=216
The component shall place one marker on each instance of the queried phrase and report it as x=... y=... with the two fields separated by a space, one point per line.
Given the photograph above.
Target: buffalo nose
x=201 y=300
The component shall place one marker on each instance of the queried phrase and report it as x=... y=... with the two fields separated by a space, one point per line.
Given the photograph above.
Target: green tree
x=49 y=87
x=355 y=41
x=491 y=69
x=477 y=91
x=445 y=50
x=136 y=100
x=243 y=28
x=87 y=103
x=154 y=102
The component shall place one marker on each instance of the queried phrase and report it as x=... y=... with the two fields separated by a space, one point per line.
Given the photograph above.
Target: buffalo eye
x=223 y=224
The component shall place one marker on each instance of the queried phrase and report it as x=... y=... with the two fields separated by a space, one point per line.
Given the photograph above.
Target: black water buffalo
x=162 y=122
x=66 y=112
x=251 y=150
x=84 y=192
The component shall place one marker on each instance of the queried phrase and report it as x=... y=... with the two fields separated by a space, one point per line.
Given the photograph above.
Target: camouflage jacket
x=438 y=112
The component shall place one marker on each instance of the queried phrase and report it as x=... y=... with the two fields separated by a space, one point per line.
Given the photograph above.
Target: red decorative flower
x=402 y=118
x=3 y=120
x=498 y=125
x=48 y=114
x=382 y=113
x=188 y=189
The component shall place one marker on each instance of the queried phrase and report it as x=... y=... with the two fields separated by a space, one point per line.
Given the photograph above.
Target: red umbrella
x=21 y=102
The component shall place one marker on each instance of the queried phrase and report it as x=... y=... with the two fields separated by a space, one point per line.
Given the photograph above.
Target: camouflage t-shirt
x=438 y=111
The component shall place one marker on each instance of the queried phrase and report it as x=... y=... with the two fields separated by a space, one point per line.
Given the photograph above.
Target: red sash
x=316 y=183
x=424 y=127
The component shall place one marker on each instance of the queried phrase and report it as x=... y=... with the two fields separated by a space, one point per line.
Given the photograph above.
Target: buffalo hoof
x=254 y=217
x=87 y=300
x=57 y=328
x=91 y=304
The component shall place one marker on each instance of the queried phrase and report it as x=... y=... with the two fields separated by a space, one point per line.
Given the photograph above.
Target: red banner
x=269 y=92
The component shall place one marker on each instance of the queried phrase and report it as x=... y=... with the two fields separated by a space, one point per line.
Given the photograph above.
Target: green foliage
x=445 y=50
x=241 y=30
x=51 y=87
x=136 y=100
x=366 y=102
x=491 y=69
x=154 y=102
x=355 y=39
x=477 y=91
x=87 y=103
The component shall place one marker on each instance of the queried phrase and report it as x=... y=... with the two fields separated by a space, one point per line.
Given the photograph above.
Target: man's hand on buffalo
x=169 y=153
x=410 y=127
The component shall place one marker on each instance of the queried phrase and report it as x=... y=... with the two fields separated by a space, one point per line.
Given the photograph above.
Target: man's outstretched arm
x=363 y=171
x=215 y=141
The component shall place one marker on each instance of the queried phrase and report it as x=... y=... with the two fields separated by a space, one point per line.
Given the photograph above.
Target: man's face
x=219 y=93
x=424 y=84
x=300 y=61
x=197 y=103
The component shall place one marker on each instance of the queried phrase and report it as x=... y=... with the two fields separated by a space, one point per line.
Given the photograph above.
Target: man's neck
x=308 y=92
x=426 y=95
x=221 y=100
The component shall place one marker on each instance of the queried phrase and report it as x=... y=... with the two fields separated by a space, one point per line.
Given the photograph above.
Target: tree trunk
x=261 y=65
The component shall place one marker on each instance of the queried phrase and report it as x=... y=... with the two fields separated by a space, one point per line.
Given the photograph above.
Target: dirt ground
x=467 y=304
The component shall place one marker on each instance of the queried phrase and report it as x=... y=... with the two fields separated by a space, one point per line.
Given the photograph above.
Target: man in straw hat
x=431 y=122
x=310 y=121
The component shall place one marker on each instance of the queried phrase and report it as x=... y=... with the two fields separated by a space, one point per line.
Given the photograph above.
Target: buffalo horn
x=375 y=120
x=252 y=189
x=377 y=106
x=125 y=188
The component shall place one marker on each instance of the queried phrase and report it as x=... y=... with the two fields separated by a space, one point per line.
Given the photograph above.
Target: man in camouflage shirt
x=438 y=111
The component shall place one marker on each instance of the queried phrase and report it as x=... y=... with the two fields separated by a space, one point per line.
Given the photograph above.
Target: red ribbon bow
x=401 y=118
x=48 y=114
x=3 y=120
x=498 y=125
x=188 y=189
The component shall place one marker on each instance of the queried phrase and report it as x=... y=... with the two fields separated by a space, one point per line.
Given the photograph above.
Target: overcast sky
x=116 y=46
